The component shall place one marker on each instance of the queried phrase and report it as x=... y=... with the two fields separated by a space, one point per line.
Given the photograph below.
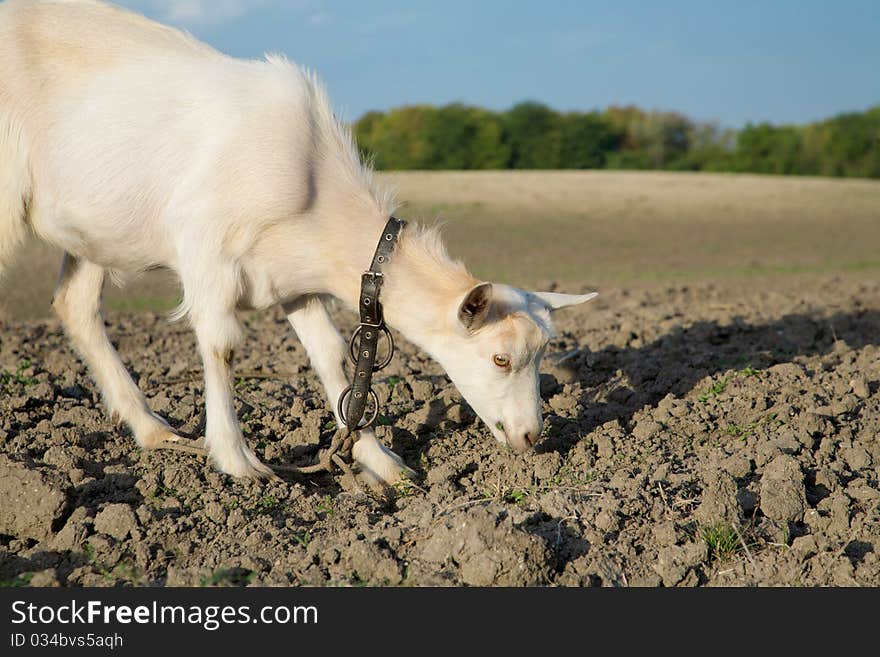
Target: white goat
x=132 y=146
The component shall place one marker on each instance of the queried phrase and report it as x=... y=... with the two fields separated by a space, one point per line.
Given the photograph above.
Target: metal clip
x=353 y=348
x=365 y=422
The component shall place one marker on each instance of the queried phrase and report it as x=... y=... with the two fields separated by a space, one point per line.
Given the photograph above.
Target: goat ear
x=555 y=301
x=474 y=310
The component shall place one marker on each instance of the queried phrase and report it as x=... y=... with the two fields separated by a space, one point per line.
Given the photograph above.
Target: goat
x=133 y=146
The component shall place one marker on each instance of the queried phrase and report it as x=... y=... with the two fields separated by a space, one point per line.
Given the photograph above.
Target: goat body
x=133 y=146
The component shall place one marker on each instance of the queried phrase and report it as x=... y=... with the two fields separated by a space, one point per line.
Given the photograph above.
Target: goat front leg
x=327 y=352
x=78 y=303
x=218 y=333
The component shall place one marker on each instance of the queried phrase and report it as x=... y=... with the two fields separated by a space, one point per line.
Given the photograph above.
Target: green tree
x=651 y=140
x=664 y=138
x=532 y=131
x=397 y=139
x=711 y=148
x=852 y=147
x=586 y=141
x=765 y=148
x=533 y=136
x=461 y=137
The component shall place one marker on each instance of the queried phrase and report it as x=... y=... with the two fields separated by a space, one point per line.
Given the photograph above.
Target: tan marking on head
x=522 y=338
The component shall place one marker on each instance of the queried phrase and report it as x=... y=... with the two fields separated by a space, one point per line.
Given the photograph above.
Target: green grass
x=18 y=376
x=721 y=539
x=743 y=431
x=165 y=491
x=267 y=504
x=714 y=390
x=325 y=506
x=19 y=581
x=509 y=495
x=303 y=538
x=98 y=566
x=725 y=540
x=404 y=487
x=122 y=570
x=185 y=499
x=230 y=576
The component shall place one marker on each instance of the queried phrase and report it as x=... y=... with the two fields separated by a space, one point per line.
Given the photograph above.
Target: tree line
x=534 y=136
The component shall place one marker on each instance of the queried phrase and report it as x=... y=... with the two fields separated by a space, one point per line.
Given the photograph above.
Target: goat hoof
x=242 y=463
x=379 y=466
x=259 y=475
x=159 y=438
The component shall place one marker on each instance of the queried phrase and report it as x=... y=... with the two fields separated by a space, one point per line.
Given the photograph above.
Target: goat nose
x=531 y=437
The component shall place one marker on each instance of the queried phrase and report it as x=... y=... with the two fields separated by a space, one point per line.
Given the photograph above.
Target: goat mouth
x=499 y=431
x=520 y=447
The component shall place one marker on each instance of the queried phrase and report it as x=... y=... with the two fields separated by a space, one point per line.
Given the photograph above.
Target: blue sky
x=783 y=61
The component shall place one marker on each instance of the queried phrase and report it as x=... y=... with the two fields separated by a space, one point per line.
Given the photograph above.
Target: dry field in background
x=583 y=229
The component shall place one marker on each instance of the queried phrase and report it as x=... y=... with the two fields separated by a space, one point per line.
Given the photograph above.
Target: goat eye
x=501 y=360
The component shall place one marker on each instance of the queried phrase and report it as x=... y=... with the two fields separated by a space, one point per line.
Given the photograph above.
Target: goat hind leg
x=78 y=303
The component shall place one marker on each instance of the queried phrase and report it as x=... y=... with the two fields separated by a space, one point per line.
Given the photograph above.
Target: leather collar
x=365 y=340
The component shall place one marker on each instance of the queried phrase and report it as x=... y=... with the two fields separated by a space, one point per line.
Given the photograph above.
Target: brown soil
x=699 y=434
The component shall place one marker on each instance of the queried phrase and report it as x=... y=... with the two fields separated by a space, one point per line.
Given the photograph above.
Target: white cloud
x=203 y=12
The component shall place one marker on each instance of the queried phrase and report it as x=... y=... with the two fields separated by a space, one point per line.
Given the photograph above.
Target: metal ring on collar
x=363 y=424
x=352 y=348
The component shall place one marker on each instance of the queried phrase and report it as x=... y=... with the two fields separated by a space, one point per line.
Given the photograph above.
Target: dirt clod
x=116 y=520
x=675 y=563
x=782 y=490
x=489 y=550
x=33 y=501
x=719 y=503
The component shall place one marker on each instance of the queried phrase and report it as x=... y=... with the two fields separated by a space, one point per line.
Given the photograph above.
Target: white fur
x=132 y=146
